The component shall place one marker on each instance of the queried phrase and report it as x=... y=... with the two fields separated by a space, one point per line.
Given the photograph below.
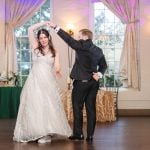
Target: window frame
x=20 y=50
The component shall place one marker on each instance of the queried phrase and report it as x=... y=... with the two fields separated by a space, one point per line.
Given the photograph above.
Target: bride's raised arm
x=32 y=39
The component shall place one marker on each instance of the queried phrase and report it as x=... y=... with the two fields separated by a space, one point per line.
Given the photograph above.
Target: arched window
x=22 y=41
x=109 y=35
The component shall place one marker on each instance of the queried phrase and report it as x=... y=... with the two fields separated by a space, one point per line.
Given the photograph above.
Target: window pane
x=45 y=13
x=110 y=54
x=119 y=28
x=25 y=56
x=24 y=67
x=117 y=54
x=116 y=68
x=24 y=43
x=18 y=43
x=99 y=6
x=109 y=16
x=119 y=41
x=109 y=28
x=21 y=31
x=18 y=56
x=23 y=79
x=36 y=18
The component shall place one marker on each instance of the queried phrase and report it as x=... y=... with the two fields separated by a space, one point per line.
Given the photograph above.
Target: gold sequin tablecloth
x=105 y=106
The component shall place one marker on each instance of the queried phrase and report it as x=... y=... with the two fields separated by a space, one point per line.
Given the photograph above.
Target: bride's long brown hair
x=50 y=43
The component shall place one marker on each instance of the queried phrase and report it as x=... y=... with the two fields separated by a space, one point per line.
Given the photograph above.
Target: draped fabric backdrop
x=127 y=11
x=17 y=12
x=2 y=31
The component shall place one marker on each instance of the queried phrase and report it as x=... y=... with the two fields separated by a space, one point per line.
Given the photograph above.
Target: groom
x=89 y=66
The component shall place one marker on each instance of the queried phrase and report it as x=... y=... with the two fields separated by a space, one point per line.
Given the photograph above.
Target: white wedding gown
x=41 y=111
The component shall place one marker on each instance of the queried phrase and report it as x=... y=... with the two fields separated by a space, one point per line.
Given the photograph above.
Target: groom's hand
x=58 y=71
x=51 y=24
x=97 y=75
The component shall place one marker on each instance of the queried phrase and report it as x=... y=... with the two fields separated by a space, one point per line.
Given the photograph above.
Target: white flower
x=10 y=74
x=4 y=74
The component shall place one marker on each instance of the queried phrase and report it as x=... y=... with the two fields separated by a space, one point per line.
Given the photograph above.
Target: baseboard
x=133 y=112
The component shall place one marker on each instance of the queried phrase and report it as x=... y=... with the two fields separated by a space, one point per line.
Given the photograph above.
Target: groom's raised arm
x=75 y=44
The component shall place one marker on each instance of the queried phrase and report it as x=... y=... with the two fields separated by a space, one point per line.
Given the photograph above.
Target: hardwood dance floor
x=127 y=133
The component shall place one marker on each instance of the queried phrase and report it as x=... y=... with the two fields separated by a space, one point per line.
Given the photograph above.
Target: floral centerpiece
x=8 y=79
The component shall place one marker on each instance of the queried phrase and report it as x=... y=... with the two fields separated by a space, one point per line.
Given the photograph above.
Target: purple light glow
x=19 y=7
x=94 y=1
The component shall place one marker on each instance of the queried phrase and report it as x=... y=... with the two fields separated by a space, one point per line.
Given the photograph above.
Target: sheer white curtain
x=17 y=12
x=127 y=11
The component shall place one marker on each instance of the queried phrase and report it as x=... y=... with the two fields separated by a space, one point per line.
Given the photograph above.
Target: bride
x=41 y=113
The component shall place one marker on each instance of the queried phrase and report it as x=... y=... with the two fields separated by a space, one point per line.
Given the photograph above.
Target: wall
x=131 y=99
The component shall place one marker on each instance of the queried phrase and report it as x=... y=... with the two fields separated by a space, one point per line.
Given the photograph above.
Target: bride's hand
x=57 y=70
x=58 y=74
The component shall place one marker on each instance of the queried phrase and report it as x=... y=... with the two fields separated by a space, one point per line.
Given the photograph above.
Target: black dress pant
x=84 y=93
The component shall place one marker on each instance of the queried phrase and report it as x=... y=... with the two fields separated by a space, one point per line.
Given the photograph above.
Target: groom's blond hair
x=87 y=33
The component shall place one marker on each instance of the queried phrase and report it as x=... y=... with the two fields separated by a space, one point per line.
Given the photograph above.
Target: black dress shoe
x=89 y=139
x=74 y=137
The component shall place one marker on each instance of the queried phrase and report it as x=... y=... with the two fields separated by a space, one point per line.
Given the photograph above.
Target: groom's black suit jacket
x=89 y=58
